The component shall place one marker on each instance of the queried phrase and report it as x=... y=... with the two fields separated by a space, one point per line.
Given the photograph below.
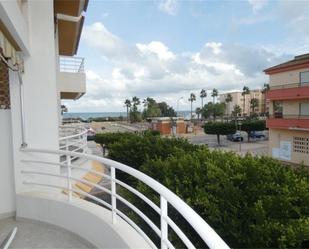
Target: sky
x=169 y=48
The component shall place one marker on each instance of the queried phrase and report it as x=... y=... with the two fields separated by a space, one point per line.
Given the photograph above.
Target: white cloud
x=169 y=6
x=154 y=70
x=157 y=48
x=257 y=5
x=215 y=46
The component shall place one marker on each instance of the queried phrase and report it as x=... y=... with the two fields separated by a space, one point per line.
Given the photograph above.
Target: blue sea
x=86 y=115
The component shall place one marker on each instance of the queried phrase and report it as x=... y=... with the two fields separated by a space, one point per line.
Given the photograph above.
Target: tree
x=219 y=128
x=254 y=103
x=253 y=125
x=64 y=109
x=245 y=91
x=214 y=110
x=128 y=106
x=203 y=94
x=191 y=99
x=151 y=108
x=236 y=111
x=198 y=111
x=166 y=110
x=135 y=115
x=214 y=94
x=228 y=100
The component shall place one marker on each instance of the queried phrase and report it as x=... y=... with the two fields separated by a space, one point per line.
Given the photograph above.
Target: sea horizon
x=87 y=115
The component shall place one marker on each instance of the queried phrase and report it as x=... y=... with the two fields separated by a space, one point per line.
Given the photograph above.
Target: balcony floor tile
x=33 y=234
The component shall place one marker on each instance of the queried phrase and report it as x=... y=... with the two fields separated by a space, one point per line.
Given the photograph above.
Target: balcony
x=52 y=198
x=295 y=91
x=72 y=77
x=290 y=122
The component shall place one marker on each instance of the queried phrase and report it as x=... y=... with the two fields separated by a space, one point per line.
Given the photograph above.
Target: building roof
x=300 y=61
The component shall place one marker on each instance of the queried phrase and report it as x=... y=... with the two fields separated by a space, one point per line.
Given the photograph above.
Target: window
x=304 y=109
x=301 y=145
x=304 y=78
x=4 y=87
x=278 y=109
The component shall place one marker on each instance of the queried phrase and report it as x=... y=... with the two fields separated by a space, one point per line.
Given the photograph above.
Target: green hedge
x=219 y=128
x=250 y=202
x=253 y=202
x=137 y=149
x=109 y=138
x=253 y=125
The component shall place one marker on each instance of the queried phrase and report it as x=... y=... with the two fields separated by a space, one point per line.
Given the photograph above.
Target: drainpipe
x=22 y=110
x=21 y=98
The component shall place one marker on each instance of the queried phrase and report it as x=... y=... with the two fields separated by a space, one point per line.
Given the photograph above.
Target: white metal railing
x=73 y=138
x=71 y=64
x=208 y=235
x=6 y=244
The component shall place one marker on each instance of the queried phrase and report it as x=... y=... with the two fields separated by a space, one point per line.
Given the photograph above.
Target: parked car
x=90 y=134
x=257 y=135
x=236 y=137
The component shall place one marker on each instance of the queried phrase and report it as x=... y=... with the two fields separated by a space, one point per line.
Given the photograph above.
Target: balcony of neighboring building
x=290 y=122
x=289 y=115
x=72 y=77
x=294 y=86
x=289 y=92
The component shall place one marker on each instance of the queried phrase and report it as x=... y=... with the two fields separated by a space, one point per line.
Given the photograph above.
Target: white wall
x=40 y=90
x=7 y=189
x=72 y=82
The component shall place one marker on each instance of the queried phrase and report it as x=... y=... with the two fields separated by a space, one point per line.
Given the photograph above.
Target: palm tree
x=203 y=94
x=228 y=99
x=128 y=105
x=254 y=103
x=191 y=99
x=265 y=89
x=198 y=111
x=245 y=91
x=214 y=94
x=63 y=109
x=236 y=111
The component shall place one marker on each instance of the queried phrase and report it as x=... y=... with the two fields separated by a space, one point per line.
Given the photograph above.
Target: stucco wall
x=40 y=91
x=283 y=78
x=276 y=135
x=7 y=189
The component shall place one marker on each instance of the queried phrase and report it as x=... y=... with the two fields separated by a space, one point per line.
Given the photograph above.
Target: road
x=258 y=147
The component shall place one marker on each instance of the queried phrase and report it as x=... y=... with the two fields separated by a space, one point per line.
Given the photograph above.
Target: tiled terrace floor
x=32 y=234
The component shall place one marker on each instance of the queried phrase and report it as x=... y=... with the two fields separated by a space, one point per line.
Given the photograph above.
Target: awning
x=9 y=52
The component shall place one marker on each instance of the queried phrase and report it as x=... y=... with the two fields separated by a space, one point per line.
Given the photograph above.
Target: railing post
x=164 y=225
x=113 y=196
x=66 y=144
x=69 y=174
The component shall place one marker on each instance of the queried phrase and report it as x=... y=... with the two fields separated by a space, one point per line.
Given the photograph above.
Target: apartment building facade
x=243 y=101
x=288 y=121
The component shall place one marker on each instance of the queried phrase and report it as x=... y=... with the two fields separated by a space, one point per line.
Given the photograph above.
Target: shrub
x=135 y=150
x=249 y=201
x=219 y=128
x=109 y=138
x=253 y=125
x=152 y=133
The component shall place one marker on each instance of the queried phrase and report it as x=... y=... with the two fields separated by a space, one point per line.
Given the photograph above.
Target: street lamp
x=178 y=105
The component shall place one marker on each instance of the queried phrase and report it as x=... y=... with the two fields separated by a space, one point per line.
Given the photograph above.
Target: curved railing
x=72 y=138
x=208 y=235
